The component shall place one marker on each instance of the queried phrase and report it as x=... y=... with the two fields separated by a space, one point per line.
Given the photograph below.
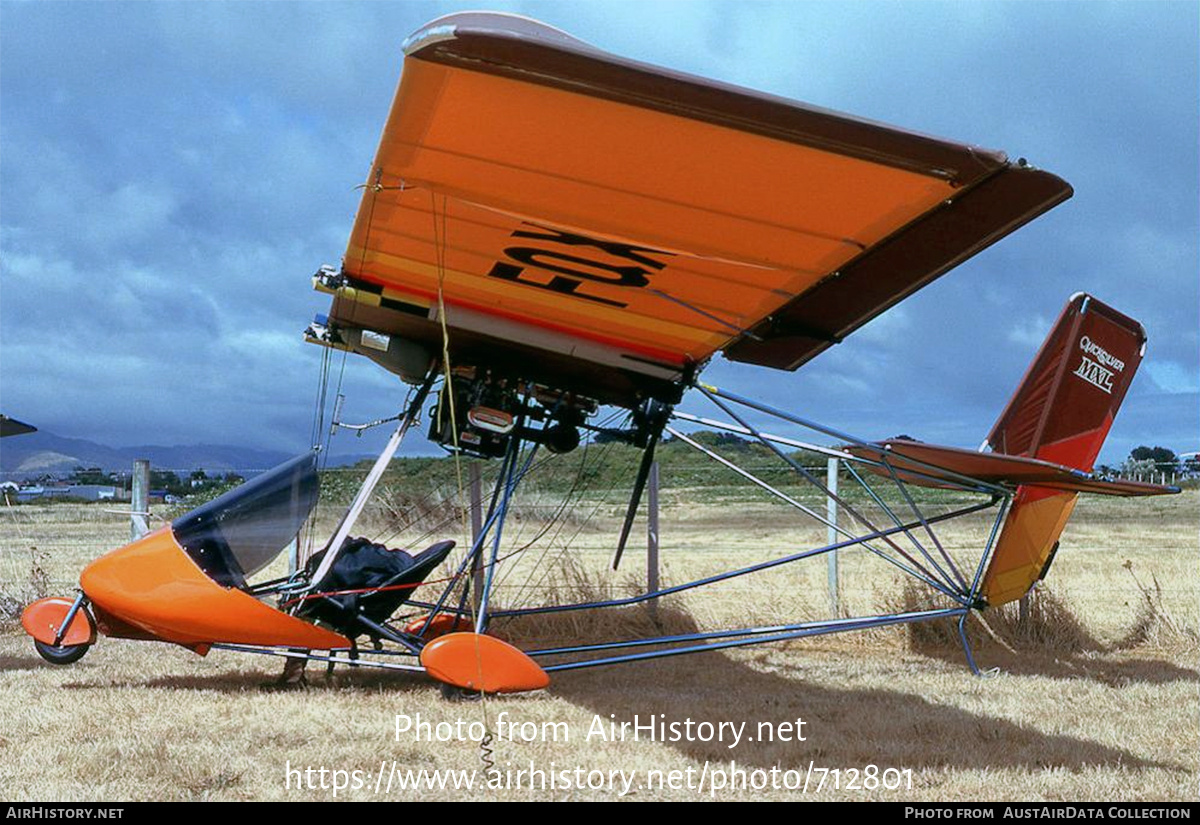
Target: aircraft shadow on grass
x=9 y=663
x=845 y=727
x=1080 y=665
x=850 y=727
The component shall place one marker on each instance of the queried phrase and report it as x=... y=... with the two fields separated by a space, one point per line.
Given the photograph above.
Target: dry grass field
x=1094 y=698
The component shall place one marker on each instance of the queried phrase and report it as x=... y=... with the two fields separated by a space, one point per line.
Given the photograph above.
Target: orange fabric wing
x=614 y=217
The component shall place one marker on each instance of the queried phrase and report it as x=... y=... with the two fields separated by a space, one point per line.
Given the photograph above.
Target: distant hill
x=43 y=453
x=46 y=454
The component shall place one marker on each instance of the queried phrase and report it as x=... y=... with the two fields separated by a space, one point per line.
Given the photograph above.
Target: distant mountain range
x=43 y=453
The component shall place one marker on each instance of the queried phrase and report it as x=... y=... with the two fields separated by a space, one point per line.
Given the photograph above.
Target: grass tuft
x=1156 y=626
x=1049 y=625
x=34 y=585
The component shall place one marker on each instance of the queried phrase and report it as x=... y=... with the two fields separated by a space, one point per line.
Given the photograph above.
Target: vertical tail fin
x=1066 y=403
x=1061 y=412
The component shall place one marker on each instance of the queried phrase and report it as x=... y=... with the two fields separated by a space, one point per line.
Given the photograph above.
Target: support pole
x=652 y=537
x=831 y=535
x=476 y=487
x=139 y=505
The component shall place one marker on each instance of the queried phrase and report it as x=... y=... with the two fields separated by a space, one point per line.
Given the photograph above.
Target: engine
x=478 y=412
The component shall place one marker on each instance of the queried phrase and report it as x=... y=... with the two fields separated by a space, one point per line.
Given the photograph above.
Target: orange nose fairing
x=153 y=584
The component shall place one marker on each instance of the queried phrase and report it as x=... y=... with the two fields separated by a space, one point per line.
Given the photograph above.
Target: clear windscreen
x=240 y=532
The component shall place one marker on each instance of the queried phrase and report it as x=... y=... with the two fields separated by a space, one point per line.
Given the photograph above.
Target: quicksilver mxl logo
x=1097 y=366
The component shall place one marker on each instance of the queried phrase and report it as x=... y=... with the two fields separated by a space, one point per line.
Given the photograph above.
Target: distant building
x=1190 y=464
x=92 y=492
x=86 y=492
x=30 y=493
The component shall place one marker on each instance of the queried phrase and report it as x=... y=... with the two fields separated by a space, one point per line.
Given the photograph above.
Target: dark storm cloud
x=172 y=175
x=173 y=172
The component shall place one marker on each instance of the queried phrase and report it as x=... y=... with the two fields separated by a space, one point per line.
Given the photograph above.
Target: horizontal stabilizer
x=932 y=465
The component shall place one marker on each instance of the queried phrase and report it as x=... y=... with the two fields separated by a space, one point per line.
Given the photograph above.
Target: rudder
x=1061 y=412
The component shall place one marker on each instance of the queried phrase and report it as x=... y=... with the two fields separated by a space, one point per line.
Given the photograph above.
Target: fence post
x=652 y=539
x=139 y=504
x=832 y=537
x=652 y=531
x=476 y=486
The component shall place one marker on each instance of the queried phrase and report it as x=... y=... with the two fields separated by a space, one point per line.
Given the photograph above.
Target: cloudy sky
x=171 y=174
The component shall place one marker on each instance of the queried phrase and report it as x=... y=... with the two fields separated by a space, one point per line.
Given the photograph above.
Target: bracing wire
x=593 y=456
x=556 y=520
x=318 y=425
x=439 y=243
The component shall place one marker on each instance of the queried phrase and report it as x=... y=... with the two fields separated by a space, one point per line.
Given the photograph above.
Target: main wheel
x=453 y=693
x=63 y=655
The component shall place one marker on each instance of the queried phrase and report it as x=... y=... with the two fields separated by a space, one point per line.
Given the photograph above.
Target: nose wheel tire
x=64 y=655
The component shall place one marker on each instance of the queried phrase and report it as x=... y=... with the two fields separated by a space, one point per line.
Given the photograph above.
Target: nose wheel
x=60 y=655
x=62 y=629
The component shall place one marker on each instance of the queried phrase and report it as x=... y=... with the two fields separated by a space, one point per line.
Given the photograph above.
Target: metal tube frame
x=481 y=620
x=920 y=573
x=815 y=629
x=842 y=502
x=949 y=584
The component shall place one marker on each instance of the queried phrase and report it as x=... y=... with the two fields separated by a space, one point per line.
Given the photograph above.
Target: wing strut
x=650 y=418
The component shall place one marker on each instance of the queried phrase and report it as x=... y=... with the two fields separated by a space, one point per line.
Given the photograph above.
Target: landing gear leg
x=962 y=635
x=293 y=677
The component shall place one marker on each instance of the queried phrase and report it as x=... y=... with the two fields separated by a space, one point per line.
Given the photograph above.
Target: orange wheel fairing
x=483 y=663
x=43 y=619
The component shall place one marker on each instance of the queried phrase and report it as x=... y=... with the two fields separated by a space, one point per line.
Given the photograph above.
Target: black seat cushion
x=364 y=566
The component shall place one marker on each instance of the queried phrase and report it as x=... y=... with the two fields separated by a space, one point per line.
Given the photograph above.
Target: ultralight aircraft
x=548 y=230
